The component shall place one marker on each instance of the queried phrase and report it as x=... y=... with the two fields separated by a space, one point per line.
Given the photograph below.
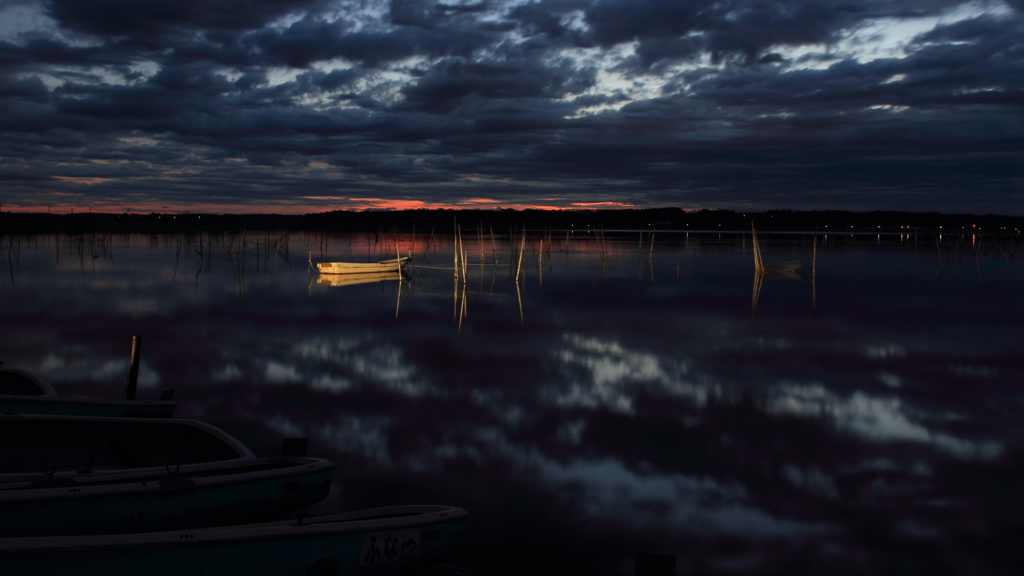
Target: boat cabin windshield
x=34 y=444
x=19 y=384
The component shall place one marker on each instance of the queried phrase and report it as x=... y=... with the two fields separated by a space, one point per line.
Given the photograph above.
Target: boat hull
x=393 y=265
x=375 y=542
x=194 y=497
x=352 y=279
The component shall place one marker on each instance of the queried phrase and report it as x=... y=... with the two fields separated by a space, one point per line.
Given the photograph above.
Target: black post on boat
x=133 y=368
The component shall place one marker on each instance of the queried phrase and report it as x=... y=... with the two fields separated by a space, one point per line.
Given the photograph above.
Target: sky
x=297 y=106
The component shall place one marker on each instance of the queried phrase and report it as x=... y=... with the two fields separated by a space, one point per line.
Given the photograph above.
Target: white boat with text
x=378 y=542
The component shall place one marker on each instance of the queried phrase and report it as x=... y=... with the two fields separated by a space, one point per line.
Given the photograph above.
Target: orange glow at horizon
x=83 y=179
x=361 y=204
x=313 y=205
x=604 y=204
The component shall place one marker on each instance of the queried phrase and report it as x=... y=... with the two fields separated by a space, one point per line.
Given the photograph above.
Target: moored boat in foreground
x=82 y=475
x=22 y=392
x=377 y=542
x=172 y=498
x=60 y=447
x=392 y=265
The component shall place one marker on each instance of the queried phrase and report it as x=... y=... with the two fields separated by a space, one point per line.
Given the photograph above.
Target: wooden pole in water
x=758 y=262
x=133 y=366
x=398 y=300
x=519 y=299
x=455 y=247
x=814 y=252
x=480 y=239
x=814 y=275
x=463 y=253
x=522 y=248
x=494 y=245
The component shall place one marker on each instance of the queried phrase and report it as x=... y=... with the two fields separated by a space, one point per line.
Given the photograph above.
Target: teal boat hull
x=377 y=542
x=243 y=491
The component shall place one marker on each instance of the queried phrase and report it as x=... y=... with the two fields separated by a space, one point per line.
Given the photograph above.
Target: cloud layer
x=269 y=105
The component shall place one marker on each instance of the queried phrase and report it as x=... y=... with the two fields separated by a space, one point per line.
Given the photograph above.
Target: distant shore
x=443 y=221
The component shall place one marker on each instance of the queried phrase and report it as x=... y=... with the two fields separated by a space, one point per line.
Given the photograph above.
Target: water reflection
x=783 y=270
x=575 y=411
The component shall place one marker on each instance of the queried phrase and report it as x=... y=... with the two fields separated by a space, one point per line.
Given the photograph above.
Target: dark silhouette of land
x=663 y=219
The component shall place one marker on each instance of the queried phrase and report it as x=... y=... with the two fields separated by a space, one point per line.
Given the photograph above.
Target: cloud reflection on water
x=661 y=415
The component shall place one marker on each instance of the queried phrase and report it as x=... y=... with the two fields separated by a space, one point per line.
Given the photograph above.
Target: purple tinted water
x=613 y=401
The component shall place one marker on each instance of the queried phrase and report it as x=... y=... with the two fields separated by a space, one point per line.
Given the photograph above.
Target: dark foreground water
x=617 y=399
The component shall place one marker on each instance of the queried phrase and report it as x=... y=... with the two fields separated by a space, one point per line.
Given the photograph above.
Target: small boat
x=80 y=475
x=379 y=541
x=22 y=392
x=367 y=278
x=392 y=265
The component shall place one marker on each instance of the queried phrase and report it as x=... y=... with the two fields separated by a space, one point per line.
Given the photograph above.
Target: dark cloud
x=537 y=20
x=705 y=102
x=427 y=13
x=452 y=80
x=314 y=40
x=743 y=28
x=140 y=17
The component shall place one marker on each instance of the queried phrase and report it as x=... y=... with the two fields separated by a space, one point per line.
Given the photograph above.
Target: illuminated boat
x=379 y=542
x=352 y=279
x=393 y=265
x=63 y=475
x=22 y=392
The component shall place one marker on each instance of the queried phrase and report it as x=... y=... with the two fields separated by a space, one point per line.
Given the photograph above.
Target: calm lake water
x=622 y=397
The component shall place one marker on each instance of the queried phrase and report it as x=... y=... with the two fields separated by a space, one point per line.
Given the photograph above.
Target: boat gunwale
x=33 y=492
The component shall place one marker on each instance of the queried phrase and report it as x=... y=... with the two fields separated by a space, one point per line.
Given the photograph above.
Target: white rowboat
x=393 y=265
